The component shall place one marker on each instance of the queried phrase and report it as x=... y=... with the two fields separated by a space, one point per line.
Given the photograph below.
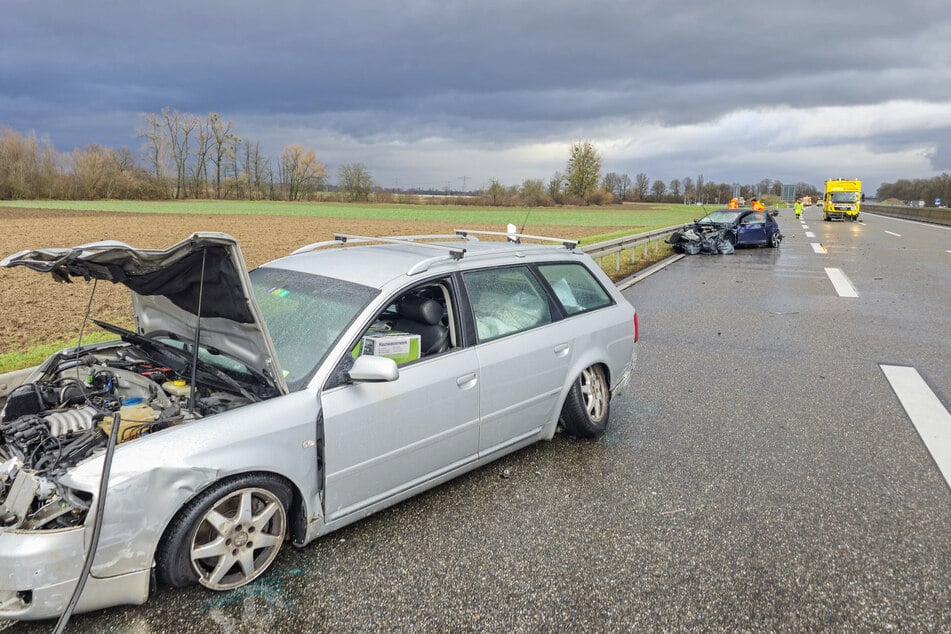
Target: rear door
x=523 y=354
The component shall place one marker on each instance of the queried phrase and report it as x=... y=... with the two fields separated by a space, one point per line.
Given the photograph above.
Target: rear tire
x=227 y=536
x=587 y=406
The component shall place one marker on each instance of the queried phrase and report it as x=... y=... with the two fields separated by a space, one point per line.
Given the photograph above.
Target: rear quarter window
x=575 y=287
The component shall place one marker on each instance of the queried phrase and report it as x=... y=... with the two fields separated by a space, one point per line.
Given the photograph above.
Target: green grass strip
x=642 y=216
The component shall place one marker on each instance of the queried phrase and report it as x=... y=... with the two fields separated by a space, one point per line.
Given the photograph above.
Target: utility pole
x=464 y=180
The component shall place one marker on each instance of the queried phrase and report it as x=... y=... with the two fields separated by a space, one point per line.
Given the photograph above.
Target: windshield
x=305 y=315
x=722 y=215
x=845 y=197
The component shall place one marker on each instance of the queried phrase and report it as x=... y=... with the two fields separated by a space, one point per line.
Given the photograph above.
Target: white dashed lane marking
x=843 y=286
x=810 y=234
x=930 y=418
x=818 y=248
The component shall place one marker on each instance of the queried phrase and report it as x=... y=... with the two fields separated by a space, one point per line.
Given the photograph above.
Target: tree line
x=929 y=190
x=185 y=155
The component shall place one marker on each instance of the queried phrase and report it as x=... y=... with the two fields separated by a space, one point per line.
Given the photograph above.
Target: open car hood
x=205 y=272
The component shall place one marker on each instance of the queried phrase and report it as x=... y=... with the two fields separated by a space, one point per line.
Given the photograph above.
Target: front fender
x=152 y=478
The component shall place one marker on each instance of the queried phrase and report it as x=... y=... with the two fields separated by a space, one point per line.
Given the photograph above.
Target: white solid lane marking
x=892 y=233
x=926 y=412
x=810 y=234
x=841 y=283
x=818 y=248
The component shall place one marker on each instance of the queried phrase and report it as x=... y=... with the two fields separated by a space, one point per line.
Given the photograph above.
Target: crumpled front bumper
x=39 y=571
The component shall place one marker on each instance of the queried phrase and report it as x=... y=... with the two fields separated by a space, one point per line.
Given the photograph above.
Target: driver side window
x=415 y=325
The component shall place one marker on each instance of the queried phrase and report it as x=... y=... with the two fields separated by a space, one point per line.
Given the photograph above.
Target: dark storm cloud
x=475 y=75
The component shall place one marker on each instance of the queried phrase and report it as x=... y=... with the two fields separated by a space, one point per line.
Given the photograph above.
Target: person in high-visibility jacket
x=798 y=208
x=734 y=204
x=756 y=205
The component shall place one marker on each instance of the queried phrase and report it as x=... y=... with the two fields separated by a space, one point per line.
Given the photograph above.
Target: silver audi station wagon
x=247 y=409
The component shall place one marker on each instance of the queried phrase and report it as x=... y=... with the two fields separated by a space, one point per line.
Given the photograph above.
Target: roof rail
x=455 y=253
x=517 y=237
x=340 y=239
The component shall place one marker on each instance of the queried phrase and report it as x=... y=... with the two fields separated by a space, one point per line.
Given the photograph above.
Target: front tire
x=227 y=536
x=587 y=406
x=774 y=240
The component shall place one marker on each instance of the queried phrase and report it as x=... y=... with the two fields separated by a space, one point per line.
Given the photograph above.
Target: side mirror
x=373 y=369
x=774 y=212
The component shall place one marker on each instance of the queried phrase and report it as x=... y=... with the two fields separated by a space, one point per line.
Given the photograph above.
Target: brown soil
x=35 y=309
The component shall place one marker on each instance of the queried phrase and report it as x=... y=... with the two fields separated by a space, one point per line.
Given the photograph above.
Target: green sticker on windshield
x=278 y=292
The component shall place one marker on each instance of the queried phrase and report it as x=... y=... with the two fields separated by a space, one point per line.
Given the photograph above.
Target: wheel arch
x=297 y=523
x=577 y=366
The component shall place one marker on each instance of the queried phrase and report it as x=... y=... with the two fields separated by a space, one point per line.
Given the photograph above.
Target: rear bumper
x=626 y=373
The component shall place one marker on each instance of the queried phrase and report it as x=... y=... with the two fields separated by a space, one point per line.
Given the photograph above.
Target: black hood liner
x=180 y=282
x=175 y=274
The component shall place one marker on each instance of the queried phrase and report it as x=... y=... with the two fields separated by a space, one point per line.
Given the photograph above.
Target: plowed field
x=34 y=309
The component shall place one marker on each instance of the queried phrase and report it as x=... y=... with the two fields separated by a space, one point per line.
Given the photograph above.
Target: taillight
x=636 y=328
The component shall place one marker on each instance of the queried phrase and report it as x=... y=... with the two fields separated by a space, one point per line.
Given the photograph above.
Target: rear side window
x=505 y=301
x=575 y=287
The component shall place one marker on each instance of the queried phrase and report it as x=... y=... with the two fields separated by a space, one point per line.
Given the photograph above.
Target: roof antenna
x=201 y=290
x=525 y=222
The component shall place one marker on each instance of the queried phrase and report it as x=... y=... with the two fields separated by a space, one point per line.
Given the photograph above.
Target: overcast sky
x=444 y=92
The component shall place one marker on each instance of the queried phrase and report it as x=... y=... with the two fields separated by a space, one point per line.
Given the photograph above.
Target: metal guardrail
x=616 y=247
x=936 y=215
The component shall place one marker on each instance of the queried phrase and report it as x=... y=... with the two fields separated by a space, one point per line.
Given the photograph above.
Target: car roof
x=377 y=265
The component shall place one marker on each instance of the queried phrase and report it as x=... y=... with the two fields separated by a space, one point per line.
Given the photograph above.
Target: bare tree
x=688 y=188
x=532 y=192
x=658 y=189
x=301 y=172
x=674 y=188
x=224 y=147
x=496 y=192
x=617 y=184
x=355 y=180
x=155 y=147
x=556 y=187
x=203 y=143
x=641 y=186
x=180 y=127
x=256 y=169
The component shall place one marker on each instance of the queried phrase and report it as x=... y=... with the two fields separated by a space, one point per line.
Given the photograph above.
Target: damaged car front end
x=56 y=427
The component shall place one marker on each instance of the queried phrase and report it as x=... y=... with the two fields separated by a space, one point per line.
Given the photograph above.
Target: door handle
x=562 y=349
x=467 y=381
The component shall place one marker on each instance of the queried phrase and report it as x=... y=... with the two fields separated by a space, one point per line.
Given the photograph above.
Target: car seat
x=423 y=316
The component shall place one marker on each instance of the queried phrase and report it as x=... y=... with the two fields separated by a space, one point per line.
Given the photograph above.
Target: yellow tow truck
x=842 y=200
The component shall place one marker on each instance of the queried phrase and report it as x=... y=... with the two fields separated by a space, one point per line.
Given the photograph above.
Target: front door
x=384 y=438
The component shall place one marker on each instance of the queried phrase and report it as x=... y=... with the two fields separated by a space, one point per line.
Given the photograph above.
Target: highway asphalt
x=760 y=474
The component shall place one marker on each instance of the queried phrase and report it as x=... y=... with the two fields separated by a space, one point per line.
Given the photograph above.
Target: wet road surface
x=759 y=474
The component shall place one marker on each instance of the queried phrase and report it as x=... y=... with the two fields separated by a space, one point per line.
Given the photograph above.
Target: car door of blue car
x=752 y=228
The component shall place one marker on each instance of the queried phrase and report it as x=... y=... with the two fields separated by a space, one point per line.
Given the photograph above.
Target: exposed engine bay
x=131 y=388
